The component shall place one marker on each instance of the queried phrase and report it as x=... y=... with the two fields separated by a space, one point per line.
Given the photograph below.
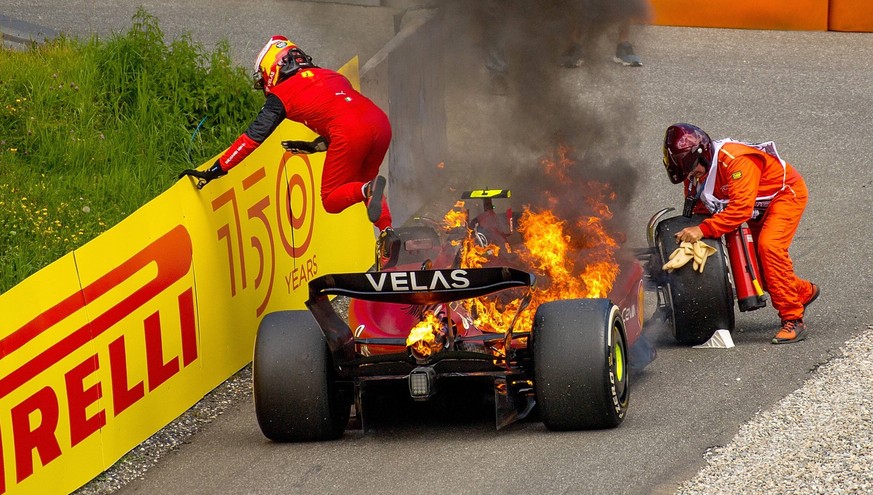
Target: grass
x=90 y=130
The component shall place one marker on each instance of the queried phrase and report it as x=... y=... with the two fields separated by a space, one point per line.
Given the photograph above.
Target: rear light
x=421 y=381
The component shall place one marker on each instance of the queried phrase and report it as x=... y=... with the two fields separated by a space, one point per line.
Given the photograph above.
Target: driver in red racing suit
x=740 y=182
x=352 y=129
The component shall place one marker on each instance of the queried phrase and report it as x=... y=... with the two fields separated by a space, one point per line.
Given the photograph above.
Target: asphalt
x=810 y=92
x=332 y=33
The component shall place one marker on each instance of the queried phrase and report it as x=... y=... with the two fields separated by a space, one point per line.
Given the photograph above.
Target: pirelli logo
x=62 y=380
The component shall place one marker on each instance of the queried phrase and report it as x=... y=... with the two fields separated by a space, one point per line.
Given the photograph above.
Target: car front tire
x=700 y=303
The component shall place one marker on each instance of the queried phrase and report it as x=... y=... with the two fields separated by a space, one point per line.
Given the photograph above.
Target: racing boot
x=373 y=194
x=791 y=331
x=387 y=249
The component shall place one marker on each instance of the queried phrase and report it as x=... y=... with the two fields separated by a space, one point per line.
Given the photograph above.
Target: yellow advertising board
x=107 y=345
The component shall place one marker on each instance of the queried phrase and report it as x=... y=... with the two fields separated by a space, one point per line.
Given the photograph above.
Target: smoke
x=546 y=105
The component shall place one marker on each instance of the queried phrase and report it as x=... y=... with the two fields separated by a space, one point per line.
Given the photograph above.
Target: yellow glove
x=680 y=257
x=701 y=251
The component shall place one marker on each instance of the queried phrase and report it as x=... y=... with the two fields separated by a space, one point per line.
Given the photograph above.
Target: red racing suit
x=756 y=187
x=358 y=132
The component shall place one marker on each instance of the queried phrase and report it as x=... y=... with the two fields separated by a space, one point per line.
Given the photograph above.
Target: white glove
x=701 y=251
x=680 y=257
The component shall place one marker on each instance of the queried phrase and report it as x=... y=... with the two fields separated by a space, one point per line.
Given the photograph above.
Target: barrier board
x=110 y=343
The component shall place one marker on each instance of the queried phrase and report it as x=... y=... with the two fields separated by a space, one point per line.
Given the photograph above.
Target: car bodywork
x=570 y=358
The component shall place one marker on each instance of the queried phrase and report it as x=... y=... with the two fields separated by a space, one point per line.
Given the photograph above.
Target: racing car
x=422 y=322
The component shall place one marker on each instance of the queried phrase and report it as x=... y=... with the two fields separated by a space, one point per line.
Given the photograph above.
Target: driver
x=352 y=129
x=751 y=184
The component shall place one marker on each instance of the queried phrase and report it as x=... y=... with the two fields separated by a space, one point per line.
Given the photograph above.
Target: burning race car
x=460 y=304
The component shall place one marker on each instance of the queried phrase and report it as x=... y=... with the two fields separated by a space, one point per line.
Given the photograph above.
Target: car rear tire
x=295 y=390
x=580 y=364
x=700 y=303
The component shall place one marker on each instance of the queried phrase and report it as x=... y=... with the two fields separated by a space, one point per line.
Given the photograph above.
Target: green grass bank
x=90 y=130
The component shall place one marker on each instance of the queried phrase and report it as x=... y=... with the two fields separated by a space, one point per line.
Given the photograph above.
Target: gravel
x=817 y=440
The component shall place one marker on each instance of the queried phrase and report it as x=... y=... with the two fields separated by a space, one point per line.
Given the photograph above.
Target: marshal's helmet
x=684 y=146
x=278 y=60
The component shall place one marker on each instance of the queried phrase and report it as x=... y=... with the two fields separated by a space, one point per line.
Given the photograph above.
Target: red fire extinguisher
x=744 y=268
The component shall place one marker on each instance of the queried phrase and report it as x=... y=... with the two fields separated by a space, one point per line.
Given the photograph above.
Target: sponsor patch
x=737 y=175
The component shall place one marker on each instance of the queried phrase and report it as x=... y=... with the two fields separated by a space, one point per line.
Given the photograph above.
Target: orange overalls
x=744 y=175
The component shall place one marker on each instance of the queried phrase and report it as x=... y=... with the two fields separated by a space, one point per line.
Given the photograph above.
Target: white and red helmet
x=279 y=59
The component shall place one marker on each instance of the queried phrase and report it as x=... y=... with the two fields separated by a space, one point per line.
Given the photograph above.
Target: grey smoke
x=542 y=109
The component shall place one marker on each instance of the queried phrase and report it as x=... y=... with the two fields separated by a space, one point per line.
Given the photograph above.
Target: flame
x=456 y=217
x=572 y=258
x=426 y=337
x=475 y=254
x=559 y=169
x=577 y=260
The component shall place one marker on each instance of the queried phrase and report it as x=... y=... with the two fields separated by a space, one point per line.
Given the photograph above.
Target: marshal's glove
x=213 y=172
x=702 y=251
x=697 y=251
x=306 y=147
x=679 y=257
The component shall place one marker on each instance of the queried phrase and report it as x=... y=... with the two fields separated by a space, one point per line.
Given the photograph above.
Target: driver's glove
x=319 y=145
x=213 y=172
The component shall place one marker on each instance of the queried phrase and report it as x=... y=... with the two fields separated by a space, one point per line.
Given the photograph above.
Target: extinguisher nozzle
x=758 y=290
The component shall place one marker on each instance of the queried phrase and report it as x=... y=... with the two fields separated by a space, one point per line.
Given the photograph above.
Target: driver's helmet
x=278 y=60
x=684 y=146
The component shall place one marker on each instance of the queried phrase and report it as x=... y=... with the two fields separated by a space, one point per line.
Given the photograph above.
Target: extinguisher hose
x=749 y=268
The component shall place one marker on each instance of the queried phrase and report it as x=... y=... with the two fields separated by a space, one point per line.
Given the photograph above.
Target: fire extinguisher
x=744 y=268
x=743 y=259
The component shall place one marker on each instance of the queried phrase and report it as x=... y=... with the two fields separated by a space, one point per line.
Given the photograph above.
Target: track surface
x=809 y=92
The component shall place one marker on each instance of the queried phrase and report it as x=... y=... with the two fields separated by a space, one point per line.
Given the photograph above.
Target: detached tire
x=701 y=303
x=294 y=383
x=580 y=364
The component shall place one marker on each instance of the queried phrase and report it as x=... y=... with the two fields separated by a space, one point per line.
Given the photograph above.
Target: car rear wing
x=420 y=286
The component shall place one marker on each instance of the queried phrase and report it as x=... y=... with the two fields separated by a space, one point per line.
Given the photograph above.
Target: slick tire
x=295 y=390
x=581 y=375
x=700 y=303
